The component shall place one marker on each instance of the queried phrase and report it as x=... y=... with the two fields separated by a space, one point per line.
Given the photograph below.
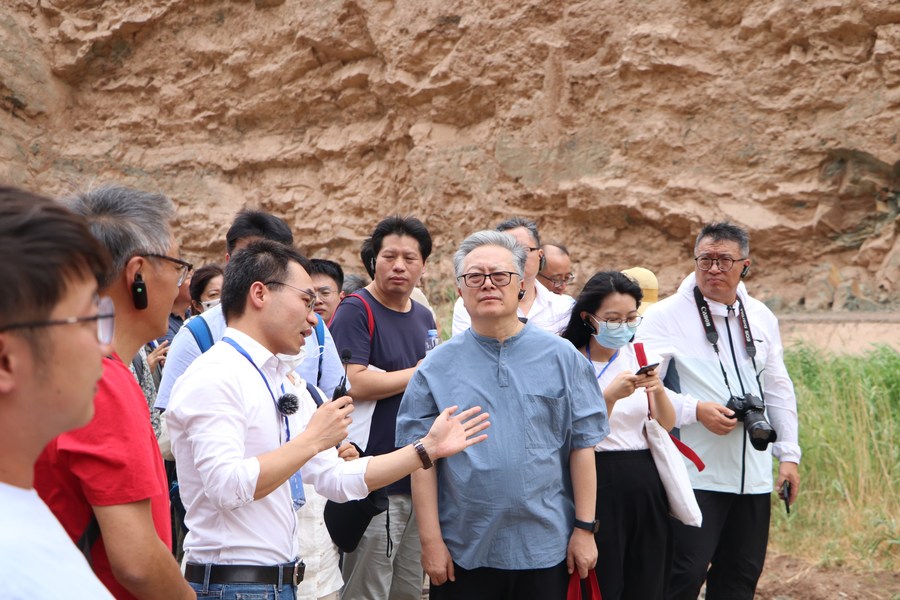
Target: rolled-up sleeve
x=337 y=479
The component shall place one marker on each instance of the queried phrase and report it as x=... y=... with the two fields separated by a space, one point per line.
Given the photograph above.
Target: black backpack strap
x=89 y=538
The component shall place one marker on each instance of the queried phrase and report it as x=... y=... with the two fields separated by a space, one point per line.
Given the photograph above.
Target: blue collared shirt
x=507 y=503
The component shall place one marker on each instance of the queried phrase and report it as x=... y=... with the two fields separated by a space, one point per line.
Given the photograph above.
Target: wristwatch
x=592 y=526
x=423 y=455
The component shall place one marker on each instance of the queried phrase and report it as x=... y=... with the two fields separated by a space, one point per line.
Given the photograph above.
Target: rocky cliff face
x=620 y=126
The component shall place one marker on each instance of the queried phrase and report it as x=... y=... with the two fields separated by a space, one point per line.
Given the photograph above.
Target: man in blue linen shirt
x=511 y=517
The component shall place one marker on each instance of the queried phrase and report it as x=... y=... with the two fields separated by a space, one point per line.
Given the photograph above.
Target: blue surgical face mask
x=613 y=338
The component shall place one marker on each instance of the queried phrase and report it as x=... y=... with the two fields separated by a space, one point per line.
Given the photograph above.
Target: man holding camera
x=722 y=350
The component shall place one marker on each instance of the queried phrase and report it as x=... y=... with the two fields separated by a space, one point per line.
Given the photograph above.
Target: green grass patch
x=848 y=511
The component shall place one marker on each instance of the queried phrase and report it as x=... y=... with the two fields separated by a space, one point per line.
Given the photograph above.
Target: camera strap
x=713 y=336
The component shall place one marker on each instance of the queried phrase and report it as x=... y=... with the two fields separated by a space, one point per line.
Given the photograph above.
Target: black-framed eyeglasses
x=558 y=282
x=105 y=318
x=313 y=298
x=498 y=278
x=630 y=322
x=705 y=263
x=184 y=267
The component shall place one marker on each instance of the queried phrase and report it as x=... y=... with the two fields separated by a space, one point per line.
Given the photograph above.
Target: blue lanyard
x=611 y=359
x=266 y=381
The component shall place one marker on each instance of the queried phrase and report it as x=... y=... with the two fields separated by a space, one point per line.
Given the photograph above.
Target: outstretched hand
x=454 y=433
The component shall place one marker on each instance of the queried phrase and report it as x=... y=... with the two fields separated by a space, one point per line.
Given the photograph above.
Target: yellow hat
x=649 y=285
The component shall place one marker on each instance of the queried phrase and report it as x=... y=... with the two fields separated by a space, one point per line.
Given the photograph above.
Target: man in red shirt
x=110 y=472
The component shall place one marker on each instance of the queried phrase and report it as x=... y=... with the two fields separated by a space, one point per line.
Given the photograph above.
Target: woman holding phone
x=634 y=540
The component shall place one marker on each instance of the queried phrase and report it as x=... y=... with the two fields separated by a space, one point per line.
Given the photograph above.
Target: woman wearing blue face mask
x=634 y=540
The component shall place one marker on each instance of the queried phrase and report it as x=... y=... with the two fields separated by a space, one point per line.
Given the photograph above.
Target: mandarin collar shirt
x=221 y=417
x=507 y=503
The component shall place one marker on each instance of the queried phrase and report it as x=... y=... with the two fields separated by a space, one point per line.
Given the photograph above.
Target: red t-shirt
x=112 y=460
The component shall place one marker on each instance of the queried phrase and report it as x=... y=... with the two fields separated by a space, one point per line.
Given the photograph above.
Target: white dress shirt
x=221 y=416
x=549 y=311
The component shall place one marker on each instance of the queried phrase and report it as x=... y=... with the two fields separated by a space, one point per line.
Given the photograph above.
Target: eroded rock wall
x=620 y=126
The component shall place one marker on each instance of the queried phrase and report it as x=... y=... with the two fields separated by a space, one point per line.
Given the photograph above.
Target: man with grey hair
x=538 y=305
x=106 y=482
x=514 y=515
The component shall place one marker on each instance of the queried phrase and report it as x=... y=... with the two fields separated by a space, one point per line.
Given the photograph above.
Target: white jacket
x=672 y=327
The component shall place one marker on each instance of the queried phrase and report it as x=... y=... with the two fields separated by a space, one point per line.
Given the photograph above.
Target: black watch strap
x=592 y=526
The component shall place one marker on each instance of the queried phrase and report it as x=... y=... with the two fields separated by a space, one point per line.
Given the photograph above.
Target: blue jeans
x=244 y=591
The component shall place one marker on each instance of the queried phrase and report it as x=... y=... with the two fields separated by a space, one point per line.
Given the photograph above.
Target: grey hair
x=516 y=222
x=126 y=221
x=491 y=238
x=725 y=232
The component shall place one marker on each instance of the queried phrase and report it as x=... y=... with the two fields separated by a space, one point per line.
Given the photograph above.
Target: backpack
x=203 y=336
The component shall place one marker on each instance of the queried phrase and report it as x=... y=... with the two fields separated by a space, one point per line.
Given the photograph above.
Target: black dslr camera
x=751 y=410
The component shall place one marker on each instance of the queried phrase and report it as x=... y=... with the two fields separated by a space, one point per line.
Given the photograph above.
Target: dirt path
x=844 y=332
x=789 y=578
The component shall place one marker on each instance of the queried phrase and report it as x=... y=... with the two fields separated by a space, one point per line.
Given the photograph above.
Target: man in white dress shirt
x=537 y=305
x=239 y=445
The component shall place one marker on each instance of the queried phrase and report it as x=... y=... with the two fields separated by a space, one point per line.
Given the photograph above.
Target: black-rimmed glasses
x=184 y=267
x=105 y=318
x=313 y=298
x=558 y=282
x=498 y=278
x=705 y=263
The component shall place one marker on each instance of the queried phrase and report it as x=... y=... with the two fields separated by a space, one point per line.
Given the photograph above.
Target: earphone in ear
x=372 y=263
x=543 y=263
x=139 y=292
x=744 y=271
x=521 y=294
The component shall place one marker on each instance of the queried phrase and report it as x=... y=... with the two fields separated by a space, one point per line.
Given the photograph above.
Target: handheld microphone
x=341 y=389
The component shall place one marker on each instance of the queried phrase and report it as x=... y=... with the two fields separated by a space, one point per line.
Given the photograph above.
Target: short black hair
x=595 y=291
x=727 y=232
x=44 y=246
x=329 y=268
x=516 y=222
x=397 y=225
x=261 y=260
x=367 y=256
x=251 y=223
x=201 y=278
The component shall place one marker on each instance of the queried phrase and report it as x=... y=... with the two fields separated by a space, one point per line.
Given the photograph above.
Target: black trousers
x=728 y=551
x=501 y=584
x=634 y=544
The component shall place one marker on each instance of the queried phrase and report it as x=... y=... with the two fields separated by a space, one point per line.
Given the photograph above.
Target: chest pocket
x=544 y=427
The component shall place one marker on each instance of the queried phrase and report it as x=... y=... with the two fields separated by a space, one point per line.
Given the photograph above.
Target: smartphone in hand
x=786 y=495
x=646 y=369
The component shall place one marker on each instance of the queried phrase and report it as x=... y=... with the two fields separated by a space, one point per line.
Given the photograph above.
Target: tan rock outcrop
x=620 y=126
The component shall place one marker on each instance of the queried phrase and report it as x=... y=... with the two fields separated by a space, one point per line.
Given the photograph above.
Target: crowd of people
x=276 y=426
